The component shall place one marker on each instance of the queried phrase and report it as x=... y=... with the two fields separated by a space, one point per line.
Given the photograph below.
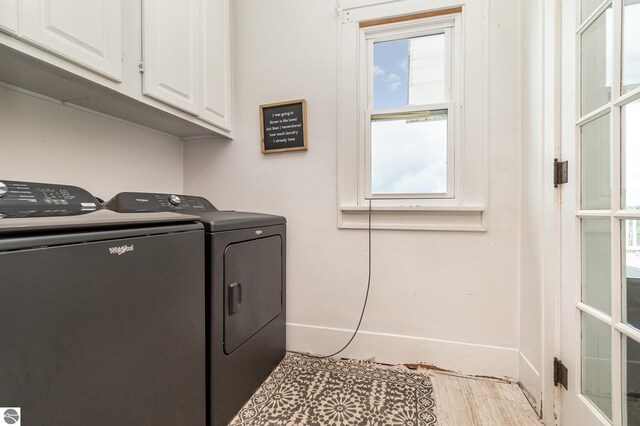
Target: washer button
x=3 y=189
x=175 y=200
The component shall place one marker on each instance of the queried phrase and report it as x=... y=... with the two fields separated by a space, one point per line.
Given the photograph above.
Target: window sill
x=416 y=218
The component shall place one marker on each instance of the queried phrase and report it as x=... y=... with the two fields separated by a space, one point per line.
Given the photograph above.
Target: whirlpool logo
x=11 y=415
x=121 y=249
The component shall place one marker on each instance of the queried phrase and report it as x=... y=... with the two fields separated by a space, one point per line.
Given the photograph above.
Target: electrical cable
x=364 y=306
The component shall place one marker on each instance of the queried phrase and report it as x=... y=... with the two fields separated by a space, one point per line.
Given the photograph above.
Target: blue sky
x=390 y=74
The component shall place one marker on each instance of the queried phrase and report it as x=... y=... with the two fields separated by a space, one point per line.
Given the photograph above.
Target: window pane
x=631 y=357
x=409 y=72
x=631 y=155
x=596 y=190
x=588 y=7
x=596 y=363
x=596 y=63
x=596 y=264
x=631 y=271
x=409 y=155
x=631 y=46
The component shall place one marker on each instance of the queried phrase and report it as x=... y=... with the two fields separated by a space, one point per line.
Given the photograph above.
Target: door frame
x=551 y=198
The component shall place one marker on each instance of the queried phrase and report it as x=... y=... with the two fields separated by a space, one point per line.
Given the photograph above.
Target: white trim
x=627 y=214
x=627 y=330
x=628 y=97
x=594 y=313
x=463 y=357
x=551 y=113
x=616 y=246
x=376 y=207
x=415 y=219
x=593 y=213
x=594 y=115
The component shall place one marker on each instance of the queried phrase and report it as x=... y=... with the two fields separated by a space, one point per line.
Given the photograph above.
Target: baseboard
x=530 y=382
x=466 y=358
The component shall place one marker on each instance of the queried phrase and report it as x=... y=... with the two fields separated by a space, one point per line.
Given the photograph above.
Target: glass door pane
x=596 y=363
x=596 y=264
x=631 y=45
x=631 y=156
x=596 y=181
x=631 y=380
x=631 y=271
x=596 y=63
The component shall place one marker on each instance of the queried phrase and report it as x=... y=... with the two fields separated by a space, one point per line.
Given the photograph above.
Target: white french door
x=601 y=212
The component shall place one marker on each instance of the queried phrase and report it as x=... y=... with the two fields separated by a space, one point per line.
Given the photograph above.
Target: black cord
x=364 y=306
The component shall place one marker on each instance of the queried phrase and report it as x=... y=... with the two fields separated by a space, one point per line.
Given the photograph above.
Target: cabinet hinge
x=560 y=172
x=560 y=373
x=141 y=66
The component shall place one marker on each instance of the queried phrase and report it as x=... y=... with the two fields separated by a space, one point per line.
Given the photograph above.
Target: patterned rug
x=304 y=390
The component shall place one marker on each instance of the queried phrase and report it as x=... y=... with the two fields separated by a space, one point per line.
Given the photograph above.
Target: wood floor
x=473 y=401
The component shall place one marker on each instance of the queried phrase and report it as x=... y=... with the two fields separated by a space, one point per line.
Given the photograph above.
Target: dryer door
x=252 y=288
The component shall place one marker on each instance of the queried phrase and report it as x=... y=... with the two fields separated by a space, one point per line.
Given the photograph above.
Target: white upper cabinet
x=9 y=16
x=171 y=52
x=216 y=74
x=91 y=53
x=87 y=32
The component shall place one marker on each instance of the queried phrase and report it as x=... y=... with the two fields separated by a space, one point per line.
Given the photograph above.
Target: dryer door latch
x=234 y=297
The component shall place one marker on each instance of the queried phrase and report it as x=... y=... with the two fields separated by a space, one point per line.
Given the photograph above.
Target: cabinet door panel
x=9 y=16
x=170 y=48
x=86 y=32
x=216 y=78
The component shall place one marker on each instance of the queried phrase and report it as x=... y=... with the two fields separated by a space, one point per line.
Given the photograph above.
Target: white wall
x=43 y=141
x=443 y=298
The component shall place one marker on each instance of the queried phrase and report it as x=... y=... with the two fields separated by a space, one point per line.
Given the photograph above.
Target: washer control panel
x=32 y=199
x=131 y=202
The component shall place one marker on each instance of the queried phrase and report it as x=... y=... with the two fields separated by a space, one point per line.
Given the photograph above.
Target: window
x=410 y=136
x=405 y=142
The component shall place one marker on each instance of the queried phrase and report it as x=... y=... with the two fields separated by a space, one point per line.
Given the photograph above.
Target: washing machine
x=245 y=287
x=102 y=319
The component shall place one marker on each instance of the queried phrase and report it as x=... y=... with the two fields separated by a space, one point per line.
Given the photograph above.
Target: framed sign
x=283 y=126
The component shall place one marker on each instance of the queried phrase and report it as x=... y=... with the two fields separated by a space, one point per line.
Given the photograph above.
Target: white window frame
x=448 y=25
x=463 y=207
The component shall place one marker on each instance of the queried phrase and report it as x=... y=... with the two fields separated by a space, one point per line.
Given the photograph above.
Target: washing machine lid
x=231 y=220
x=102 y=219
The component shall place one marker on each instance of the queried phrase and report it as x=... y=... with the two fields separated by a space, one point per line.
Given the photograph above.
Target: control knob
x=175 y=200
x=3 y=189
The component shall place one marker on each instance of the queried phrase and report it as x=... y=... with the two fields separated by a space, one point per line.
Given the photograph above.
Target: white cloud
x=394 y=86
x=409 y=157
x=403 y=64
x=378 y=71
x=393 y=77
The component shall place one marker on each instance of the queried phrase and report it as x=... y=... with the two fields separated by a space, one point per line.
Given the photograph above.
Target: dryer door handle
x=234 y=297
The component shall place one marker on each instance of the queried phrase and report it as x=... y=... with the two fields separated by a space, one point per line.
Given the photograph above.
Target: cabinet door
x=9 y=16
x=87 y=32
x=216 y=108
x=171 y=42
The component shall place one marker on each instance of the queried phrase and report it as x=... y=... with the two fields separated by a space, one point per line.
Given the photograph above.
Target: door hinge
x=560 y=172
x=560 y=373
x=141 y=66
